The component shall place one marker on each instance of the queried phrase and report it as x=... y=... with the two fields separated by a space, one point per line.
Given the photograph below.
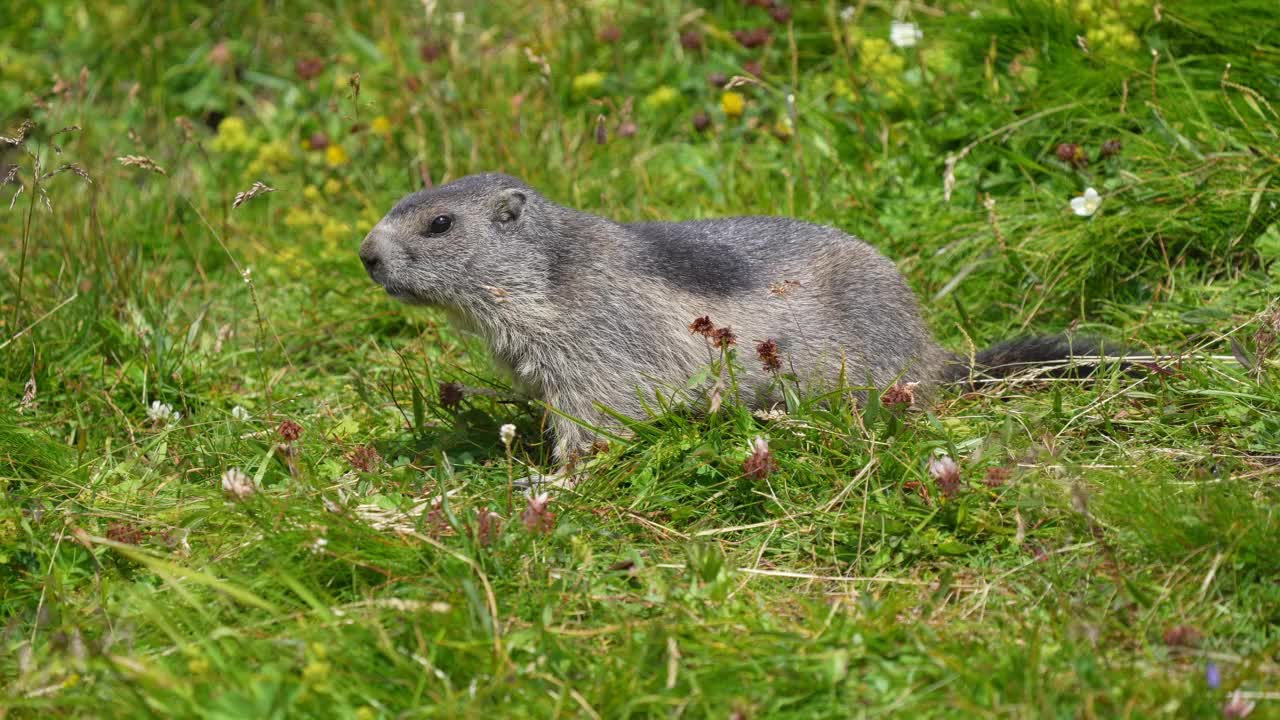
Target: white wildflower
x=162 y=413
x=247 y=274
x=507 y=434
x=905 y=34
x=318 y=545
x=846 y=13
x=237 y=484
x=1087 y=204
x=240 y=413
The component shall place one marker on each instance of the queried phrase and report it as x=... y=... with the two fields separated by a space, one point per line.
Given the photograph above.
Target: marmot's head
x=458 y=244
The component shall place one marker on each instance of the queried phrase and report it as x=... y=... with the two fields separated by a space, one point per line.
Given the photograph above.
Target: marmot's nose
x=371 y=256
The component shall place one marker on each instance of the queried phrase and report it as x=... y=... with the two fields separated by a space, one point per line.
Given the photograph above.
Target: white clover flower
x=240 y=413
x=237 y=484
x=846 y=13
x=904 y=34
x=161 y=413
x=507 y=434
x=1087 y=204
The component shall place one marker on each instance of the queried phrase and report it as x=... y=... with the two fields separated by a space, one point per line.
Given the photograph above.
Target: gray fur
x=583 y=310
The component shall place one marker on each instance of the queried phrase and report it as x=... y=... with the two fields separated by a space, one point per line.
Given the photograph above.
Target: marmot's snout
x=371 y=252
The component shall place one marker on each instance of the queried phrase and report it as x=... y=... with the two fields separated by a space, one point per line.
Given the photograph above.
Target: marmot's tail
x=1052 y=355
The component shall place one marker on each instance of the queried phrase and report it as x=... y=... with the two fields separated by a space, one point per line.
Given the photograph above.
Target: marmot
x=587 y=312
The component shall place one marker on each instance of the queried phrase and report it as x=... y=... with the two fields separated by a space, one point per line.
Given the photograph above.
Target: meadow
x=237 y=480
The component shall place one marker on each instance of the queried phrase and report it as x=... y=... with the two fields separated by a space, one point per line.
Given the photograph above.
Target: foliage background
x=1110 y=550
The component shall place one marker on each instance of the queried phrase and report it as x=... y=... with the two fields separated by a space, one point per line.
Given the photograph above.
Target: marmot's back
x=724 y=256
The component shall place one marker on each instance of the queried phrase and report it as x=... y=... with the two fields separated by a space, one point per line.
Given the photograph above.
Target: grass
x=1110 y=548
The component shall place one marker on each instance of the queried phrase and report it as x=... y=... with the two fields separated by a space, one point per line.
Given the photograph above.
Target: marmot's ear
x=509 y=206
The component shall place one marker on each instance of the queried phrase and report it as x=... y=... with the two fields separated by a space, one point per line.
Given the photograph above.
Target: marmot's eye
x=441 y=224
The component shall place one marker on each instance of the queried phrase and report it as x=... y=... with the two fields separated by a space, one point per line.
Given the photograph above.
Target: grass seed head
x=20 y=136
x=257 y=189
x=141 y=161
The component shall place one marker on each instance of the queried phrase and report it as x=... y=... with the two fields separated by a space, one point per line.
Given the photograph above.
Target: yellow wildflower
x=300 y=218
x=335 y=156
x=879 y=58
x=272 y=157
x=311 y=193
x=335 y=232
x=660 y=98
x=588 y=83
x=232 y=136
x=315 y=671
x=332 y=187
x=842 y=90
x=381 y=125
x=733 y=104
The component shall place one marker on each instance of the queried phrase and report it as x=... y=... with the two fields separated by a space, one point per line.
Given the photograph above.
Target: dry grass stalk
x=73 y=168
x=142 y=161
x=21 y=135
x=258 y=189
